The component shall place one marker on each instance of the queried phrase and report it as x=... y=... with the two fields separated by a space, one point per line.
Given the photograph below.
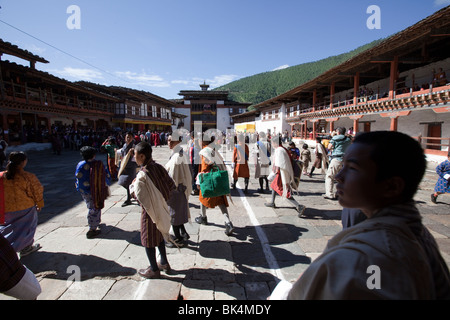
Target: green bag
x=214 y=183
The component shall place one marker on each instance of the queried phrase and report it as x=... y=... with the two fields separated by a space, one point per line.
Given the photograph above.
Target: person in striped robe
x=153 y=188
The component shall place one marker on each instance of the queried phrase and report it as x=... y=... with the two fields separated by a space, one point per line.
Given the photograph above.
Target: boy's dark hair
x=145 y=149
x=396 y=155
x=305 y=146
x=87 y=153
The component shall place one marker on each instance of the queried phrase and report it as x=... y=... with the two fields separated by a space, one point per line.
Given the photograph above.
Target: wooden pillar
x=332 y=89
x=355 y=88
x=314 y=130
x=356 y=122
x=355 y=126
x=5 y=127
x=394 y=124
x=393 y=77
x=331 y=126
x=305 y=130
x=314 y=99
x=49 y=125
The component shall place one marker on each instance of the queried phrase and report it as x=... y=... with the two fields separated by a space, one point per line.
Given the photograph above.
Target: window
x=143 y=112
x=154 y=112
x=120 y=108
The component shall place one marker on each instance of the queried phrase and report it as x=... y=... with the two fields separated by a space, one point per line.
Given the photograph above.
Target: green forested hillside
x=263 y=86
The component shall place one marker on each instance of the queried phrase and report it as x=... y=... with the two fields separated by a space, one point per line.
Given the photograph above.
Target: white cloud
x=143 y=79
x=222 y=80
x=79 y=74
x=35 y=49
x=284 y=66
x=439 y=3
x=215 y=82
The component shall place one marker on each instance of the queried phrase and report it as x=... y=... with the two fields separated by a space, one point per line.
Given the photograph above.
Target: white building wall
x=223 y=119
x=186 y=121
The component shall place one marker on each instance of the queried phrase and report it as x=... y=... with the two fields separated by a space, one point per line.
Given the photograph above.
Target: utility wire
x=64 y=52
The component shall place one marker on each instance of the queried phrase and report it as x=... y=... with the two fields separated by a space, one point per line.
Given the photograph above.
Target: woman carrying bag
x=211 y=159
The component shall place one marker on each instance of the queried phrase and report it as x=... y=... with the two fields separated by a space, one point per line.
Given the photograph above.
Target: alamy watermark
x=374 y=21
x=374 y=280
x=74 y=279
x=74 y=20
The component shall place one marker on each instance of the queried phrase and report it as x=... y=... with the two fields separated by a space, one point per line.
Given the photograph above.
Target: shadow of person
x=58 y=265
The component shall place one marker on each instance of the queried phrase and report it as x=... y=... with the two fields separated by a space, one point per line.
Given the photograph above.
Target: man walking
x=338 y=144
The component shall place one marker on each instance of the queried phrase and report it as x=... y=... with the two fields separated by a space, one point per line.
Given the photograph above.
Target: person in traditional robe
x=152 y=188
x=21 y=198
x=391 y=254
x=262 y=161
x=240 y=161
x=210 y=158
x=128 y=166
x=92 y=182
x=282 y=176
x=321 y=161
x=179 y=170
x=443 y=183
x=110 y=147
x=305 y=156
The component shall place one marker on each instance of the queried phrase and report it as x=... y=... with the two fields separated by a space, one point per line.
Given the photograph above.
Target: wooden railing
x=26 y=94
x=434 y=143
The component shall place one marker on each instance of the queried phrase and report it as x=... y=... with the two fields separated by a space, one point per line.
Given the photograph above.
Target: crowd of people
x=378 y=192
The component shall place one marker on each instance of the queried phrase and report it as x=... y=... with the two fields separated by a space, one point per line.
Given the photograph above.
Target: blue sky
x=164 y=46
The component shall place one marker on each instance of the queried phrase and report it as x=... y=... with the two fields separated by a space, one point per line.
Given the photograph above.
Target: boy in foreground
x=391 y=255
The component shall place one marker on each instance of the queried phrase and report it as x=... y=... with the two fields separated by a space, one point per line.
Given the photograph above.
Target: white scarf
x=153 y=202
x=283 y=162
x=178 y=169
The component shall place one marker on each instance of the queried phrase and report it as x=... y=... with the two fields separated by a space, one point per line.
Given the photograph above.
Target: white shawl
x=283 y=162
x=320 y=148
x=213 y=156
x=178 y=169
x=153 y=202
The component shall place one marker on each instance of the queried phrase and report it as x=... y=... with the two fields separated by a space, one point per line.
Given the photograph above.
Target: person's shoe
x=164 y=267
x=178 y=243
x=126 y=203
x=270 y=205
x=330 y=198
x=30 y=249
x=433 y=198
x=300 y=209
x=201 y=220
x=93 y=233
x=229 y=228
x=185 y=236
x=149 y=274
